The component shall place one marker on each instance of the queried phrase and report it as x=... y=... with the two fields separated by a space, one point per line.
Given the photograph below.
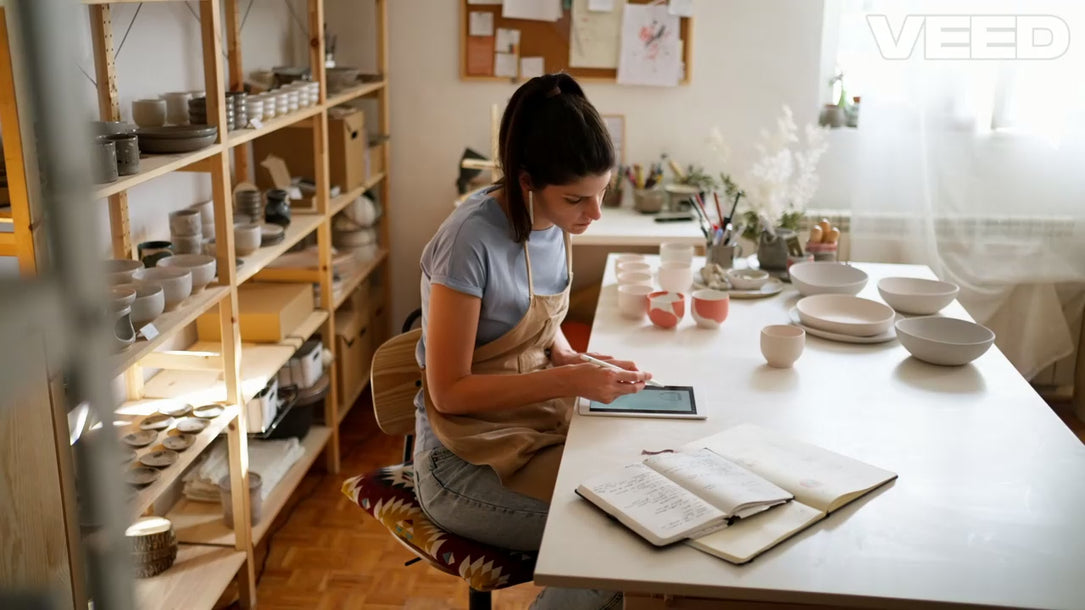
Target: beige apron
x=522 y=444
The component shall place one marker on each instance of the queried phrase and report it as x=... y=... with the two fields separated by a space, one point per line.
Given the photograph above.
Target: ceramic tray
x=889 y=335
x=769 y=288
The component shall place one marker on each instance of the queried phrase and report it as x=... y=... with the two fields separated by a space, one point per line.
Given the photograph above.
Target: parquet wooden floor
x=327 y=554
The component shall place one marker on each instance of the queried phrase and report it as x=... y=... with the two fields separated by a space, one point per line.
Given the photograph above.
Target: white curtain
x=975 y=167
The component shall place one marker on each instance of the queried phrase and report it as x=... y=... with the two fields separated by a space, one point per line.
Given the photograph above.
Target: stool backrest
x=394 y=381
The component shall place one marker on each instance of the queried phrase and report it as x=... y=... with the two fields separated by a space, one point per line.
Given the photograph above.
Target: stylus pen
x=607 y=365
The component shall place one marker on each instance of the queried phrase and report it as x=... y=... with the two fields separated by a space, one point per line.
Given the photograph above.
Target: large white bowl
x=916 y=296
x=845 y=314
x=945 y=341
x=827 y=278
x=202 y=267
x=176 y=282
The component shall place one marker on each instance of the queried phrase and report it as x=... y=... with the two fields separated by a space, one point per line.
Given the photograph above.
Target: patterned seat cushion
x=388 y=495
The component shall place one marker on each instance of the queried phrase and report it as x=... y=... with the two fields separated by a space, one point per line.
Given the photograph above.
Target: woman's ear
x=525 y=181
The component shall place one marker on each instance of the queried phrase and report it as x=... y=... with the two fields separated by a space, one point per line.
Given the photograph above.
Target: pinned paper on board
x=680 y=8
x=481 y=24
x=530 y=67
x=599 y=6
x=651 y=50
x=507 y=40
x=535 y=10
x=480 y=55
x=506 y=65
x=596 y=37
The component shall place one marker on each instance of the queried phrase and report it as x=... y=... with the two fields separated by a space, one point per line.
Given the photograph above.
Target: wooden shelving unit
x=227 y=371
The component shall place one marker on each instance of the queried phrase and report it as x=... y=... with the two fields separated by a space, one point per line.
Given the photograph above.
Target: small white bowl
x=176 y=282
x=944 y=341
x=827 y=278
x=122 y=270
x=747 y=279
x=845 y=314
x=916 y=296
x=149 y=303
x=202 y=267
x=246 y=238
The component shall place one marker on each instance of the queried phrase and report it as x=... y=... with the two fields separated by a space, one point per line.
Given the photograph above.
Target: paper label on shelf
x=149 y=332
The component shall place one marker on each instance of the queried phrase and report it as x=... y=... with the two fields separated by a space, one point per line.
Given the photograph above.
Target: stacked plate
x=153 y=545
x=176 y=138
x=842 y=317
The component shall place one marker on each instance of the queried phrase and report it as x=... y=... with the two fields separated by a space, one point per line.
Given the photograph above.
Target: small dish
x=156 y=422
x=159 y=459
x=175 y=409
x=140 y=476
x=747 y=279
x=140 y=439
x=208 y=411
x=191 y=424
x=178 y=442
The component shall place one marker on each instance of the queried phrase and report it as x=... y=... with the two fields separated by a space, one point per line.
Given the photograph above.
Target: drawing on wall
x=651 y=52
x=594 y=40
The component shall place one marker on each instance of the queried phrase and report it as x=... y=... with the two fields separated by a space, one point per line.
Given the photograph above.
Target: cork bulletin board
x=544 y=39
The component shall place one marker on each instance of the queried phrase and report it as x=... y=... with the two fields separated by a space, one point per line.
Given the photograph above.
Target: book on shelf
x=735 y=494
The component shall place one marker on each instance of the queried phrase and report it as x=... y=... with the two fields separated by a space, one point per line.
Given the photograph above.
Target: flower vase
x=772 y=249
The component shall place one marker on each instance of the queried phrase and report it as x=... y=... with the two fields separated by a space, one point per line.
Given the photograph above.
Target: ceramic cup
x=675 y=276
x=782 y=344
x=187 y=244
x=672 y=251
x=185 y=222
x=149 y=113
x=127 y=147
x=709 y=307
x=177 y=106
x=666 y=309
x=633 y=300
x=627 y=258
x=634 y=267
x=246 y=238
x=634 y=277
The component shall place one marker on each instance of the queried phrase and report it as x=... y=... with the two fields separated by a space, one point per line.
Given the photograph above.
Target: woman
x=500 y=378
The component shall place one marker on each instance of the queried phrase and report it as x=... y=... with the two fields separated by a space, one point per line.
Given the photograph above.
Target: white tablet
x=672 y=402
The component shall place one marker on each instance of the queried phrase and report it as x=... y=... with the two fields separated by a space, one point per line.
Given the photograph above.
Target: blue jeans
x=469 y=501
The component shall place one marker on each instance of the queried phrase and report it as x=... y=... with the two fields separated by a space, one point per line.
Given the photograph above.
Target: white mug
x=782 y=344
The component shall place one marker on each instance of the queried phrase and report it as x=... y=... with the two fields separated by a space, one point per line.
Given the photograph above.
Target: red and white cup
x=666 y=309
x=709 y=307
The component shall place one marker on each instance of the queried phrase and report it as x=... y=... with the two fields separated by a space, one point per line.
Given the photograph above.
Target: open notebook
x=735 y=494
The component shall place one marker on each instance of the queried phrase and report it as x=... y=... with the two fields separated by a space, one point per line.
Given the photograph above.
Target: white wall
x=749 y=57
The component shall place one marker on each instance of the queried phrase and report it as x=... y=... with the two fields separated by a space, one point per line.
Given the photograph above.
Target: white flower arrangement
x=783 y=180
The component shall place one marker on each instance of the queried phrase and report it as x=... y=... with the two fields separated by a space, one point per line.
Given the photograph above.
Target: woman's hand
x=571 y=356
x=600 y=384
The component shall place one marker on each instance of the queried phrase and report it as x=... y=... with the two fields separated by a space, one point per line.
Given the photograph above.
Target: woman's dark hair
x=551 y=131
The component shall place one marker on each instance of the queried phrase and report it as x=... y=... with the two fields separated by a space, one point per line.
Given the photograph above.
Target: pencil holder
x=648 y=201
x=612 y=198
x=722 y=255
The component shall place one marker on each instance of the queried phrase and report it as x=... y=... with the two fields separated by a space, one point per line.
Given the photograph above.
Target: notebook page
x=643 y=499
x=818 y=477
x=723 y=483
x=745 y=539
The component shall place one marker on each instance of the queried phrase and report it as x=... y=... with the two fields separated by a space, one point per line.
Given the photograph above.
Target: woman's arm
x=451 y=327
x=562 y=354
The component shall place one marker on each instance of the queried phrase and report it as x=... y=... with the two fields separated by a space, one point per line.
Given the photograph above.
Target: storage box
x=294 y=145
x=268 y=312
x=374 y=160
x=354 y=351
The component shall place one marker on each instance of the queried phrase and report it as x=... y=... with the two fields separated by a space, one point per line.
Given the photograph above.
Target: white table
x=627 y=227
x=989 y=507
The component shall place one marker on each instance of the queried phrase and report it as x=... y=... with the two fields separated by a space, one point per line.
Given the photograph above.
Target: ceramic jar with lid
x=277 y=210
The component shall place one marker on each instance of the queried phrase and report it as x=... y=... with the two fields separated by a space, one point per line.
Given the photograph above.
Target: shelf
x=342 y=201
x=201 y=522
x=197 y=578
x=259 y=363
x=167 y=324
x=354 y=92
x=153 y=166
x=300 y=226
x=136 y=410
x=240 y=136
x=349 y=283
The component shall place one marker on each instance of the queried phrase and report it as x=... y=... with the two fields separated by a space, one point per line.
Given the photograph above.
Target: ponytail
x=552 y=132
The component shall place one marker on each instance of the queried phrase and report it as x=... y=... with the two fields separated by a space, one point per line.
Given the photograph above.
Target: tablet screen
x=672 y=399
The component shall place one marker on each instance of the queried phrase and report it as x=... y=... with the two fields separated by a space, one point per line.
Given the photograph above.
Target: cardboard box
x=269 y=312
x=294 y=145
x=353 y=351
x=374 y=160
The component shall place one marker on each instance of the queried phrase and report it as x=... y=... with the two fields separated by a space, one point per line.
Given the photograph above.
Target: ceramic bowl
x=149 y=303
x=747 y=279
x=149 y=113
x=246 y=238
x=944 y=341
x=827 y=278
x=666 y=309
x=122 y=296
x=202 y=267
x=122 y=270
x=176 y=282
x=916 y=296
x=845 y=314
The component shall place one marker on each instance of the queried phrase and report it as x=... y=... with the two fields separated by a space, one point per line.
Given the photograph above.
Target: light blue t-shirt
x=473 y=252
